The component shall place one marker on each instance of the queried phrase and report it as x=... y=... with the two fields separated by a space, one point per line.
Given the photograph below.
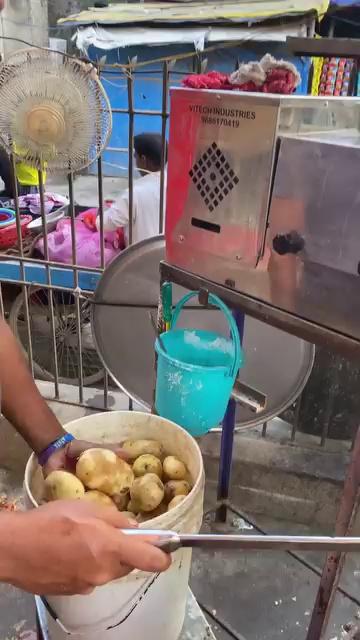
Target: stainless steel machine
x=263 y=201
x=263 y=209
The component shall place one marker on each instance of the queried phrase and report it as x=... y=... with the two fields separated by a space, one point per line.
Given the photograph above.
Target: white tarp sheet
x=114 y=37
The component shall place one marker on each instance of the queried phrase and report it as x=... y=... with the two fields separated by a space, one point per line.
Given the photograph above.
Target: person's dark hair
x=149 y=145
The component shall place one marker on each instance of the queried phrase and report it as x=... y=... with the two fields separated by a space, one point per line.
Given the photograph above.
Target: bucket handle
x=215 y=300
x=125 y=611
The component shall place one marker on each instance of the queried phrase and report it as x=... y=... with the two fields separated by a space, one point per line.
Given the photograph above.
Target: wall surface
x=26 y=20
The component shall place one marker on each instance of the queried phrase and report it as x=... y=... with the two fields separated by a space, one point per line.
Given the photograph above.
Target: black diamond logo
x=213 y=176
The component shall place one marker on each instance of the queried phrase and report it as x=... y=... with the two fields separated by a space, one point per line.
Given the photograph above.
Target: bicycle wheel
x=65 y=332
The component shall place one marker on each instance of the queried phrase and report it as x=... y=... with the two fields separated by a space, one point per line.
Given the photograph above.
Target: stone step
x=294 y=483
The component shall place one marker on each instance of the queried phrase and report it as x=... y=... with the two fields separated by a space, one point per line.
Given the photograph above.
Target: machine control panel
x=219 y=179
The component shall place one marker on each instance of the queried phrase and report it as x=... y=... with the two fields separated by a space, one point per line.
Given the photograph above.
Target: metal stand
x=351 y=494
x=334 y=563
x=227 y=443
x=226 y=451
x=39 y=632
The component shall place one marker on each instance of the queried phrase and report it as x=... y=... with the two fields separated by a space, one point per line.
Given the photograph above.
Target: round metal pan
x=277 y=364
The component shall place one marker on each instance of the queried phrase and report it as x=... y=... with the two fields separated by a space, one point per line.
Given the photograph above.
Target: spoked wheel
x=65 y=322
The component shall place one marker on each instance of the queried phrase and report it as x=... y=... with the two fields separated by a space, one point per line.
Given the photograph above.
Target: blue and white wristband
x=60 y=443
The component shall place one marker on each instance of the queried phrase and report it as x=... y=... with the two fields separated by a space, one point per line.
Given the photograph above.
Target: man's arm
x=28 y=412
x=71 y=547
x=21 y=402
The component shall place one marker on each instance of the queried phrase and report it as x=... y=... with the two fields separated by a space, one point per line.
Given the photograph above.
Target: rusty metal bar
x=102 y=259
x=22 y=268
x=51 y=301
x=101 y=203
x=164 y=117
x=101 y=212
x=334 y=563
x=76 y=282
x=131 y=155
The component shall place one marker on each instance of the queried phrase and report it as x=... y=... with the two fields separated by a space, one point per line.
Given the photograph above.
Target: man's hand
x=68 y=548
x=67 y=457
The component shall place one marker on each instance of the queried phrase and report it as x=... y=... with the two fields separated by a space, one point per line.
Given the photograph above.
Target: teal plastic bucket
x=196 y=372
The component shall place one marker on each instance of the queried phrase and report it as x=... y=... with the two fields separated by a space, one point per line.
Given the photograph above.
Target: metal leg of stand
x=226 y=450
x=331 y=573
x=39 y=633
x=227 y=443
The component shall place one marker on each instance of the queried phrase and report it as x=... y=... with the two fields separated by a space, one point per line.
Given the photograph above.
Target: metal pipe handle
x=170 y=541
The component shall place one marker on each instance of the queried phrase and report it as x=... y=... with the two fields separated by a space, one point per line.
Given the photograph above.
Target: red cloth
x=279 y=79
x=211 y=80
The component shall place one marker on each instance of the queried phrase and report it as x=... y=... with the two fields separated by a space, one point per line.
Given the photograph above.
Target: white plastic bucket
x=140 y=605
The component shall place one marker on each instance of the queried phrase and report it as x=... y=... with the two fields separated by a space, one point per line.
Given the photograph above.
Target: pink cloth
x=87 y=243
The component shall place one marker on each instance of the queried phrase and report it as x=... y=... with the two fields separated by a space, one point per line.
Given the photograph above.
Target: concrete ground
x=246 y=596
x=86 y=188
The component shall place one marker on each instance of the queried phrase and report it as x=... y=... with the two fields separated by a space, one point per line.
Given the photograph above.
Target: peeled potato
x=176 y=488
x=62 y=485
x=99 y=498
x=136 y=448
x=121 y=500
x=147 y=492
x=102 y=469
x=174 y=469
x=175 y=502
x=147 y=463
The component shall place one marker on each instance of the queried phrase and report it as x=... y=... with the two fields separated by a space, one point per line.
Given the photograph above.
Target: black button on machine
x=291 y=242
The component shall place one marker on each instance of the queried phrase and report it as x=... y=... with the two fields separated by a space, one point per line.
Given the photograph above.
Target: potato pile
x=146 y=486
